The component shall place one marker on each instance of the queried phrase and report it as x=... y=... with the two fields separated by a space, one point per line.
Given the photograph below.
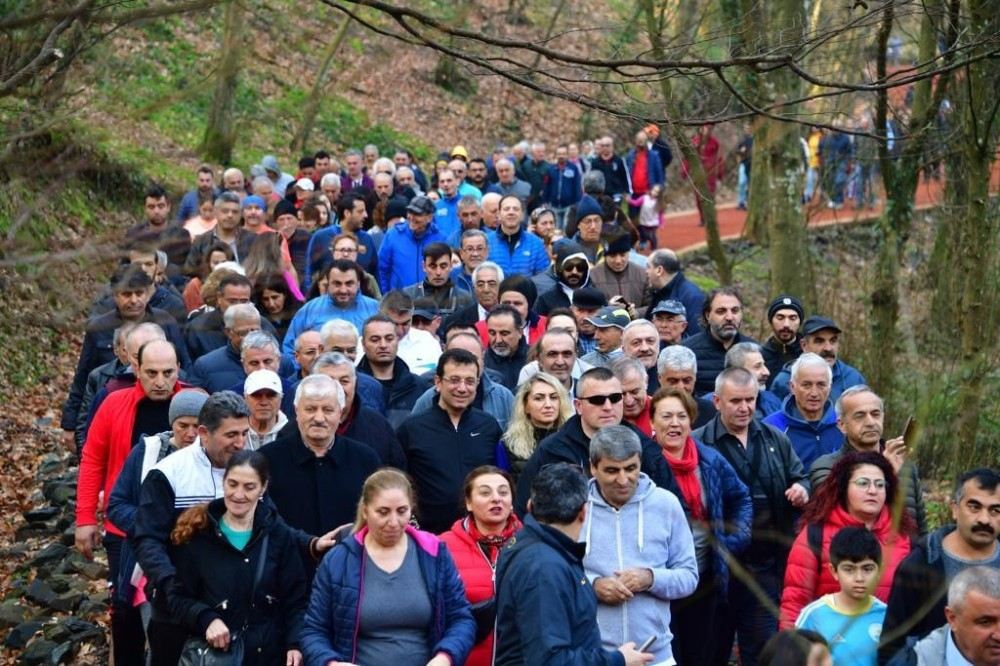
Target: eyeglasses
x=455 y=382
x=598 y=400
x=574 y=268
x=864 y=483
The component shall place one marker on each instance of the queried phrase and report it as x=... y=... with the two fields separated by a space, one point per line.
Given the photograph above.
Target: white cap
x=259 y=380
x=305 y=184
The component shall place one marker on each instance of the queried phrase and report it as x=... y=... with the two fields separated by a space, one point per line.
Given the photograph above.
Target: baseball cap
x=816 y=323
x=669 y=306
x=421 y=205
x=305 y=184
x=611 y=315
x=258 y=380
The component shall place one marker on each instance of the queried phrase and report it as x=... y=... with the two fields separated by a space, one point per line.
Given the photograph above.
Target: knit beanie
x=784 y=302
x=186 y=403
x=588 y=206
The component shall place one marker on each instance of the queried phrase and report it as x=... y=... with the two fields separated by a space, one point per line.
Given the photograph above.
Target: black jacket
x=711 y=357
x=777 y=355
x=571 y=445
x=214 y=581
x=546 y=607
x=918 y=596
x=680 y=289
x=550 y=300
x=439 y=456
x=201 y=245
x=368 y=426
x=509 y=367
x=773 y=516
x=98 y=343
x=317 y=493
x=448 y=298
x=401 y=393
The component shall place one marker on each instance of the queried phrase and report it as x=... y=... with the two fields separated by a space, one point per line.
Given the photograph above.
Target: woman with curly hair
x=240 y=583
x=541 y=406
x=861 y=491
x=275 y=302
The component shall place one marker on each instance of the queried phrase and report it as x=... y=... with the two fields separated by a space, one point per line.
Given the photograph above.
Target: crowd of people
x=357 y=415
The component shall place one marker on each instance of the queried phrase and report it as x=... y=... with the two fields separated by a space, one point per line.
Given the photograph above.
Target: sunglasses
x=598 y=400
x=575 y=268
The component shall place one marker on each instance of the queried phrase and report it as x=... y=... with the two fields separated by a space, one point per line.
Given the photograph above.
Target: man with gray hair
x=640 y=551
x=359 y=420
x=546 y=607
x=470 y=217
x=972 y=635
x=677 y=366
x=509 y=184
x=640 y=340
x=763 y=458
x=227 y=230
x=635 y=403
x=748 y=355
x=473 y=248
x=316 y=474
x=807 y=416
x=222 y=368
x=860 y=417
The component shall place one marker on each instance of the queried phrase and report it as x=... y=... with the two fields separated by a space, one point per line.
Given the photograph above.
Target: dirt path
x=681 y=231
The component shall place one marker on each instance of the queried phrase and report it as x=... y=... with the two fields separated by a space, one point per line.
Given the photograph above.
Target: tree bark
x=220 y=132
x=301 y=139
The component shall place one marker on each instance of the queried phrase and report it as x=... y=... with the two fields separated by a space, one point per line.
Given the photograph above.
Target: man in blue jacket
x=821 y=336
x=400 y=257
x=516 y=250
x=546 y=607
x=564 y=185
x=807 y=416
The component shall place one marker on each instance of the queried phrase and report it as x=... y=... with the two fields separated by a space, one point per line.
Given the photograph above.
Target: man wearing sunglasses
x=572 y=272
x=598 y=404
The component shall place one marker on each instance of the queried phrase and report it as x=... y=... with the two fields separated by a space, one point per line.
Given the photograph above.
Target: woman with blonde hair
x=357 y=614
x=541 y=406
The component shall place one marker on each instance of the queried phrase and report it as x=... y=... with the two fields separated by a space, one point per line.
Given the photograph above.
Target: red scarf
x=492 y=543
x=687 y=479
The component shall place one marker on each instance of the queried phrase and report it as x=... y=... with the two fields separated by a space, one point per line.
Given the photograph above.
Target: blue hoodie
x=810 y=440
x=401 y=256
x=650 y=531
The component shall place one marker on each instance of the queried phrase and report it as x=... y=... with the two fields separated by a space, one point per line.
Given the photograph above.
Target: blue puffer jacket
x=527 y=258
x=730 y=510
x=809 y=440
x=330 y=630
x=401 y=256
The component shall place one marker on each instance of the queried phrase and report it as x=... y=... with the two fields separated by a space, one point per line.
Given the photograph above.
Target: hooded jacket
x=649 y=532
x=809 y=439
x=330 y=629
x=401 y=255
x=546 y=607
x=807 y=579
x=561 y=294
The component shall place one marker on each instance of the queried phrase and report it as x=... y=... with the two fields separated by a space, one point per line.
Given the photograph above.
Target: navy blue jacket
x=98 y=349
x=810 y=440
x=681 y=289
x=546 y=607
x=205 y=332
x=564 y=186
x=439 y=456
x=330 y=629
x=401 y=394
x=370 y=427
x=711 y=357
x=654 y=166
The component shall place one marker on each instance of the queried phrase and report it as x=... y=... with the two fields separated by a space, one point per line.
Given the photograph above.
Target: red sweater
x=803 y=586
x=108 y=445
x=477 y=576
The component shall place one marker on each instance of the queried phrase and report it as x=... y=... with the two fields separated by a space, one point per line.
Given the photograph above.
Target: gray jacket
x=909 y=477
x=930 y=650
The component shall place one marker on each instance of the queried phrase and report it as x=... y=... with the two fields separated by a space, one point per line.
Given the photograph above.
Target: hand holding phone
x=648 y=643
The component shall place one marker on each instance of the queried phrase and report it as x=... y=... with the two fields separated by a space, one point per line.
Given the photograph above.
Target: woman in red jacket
x=475 y=543
x=861 y=491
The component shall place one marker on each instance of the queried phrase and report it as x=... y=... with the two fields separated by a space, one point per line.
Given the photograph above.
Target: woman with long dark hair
x=861 y=491
x=275 y=302
x=240 y=584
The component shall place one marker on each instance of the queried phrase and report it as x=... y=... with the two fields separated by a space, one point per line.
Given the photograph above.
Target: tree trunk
x=301 y=139
x=220 y=133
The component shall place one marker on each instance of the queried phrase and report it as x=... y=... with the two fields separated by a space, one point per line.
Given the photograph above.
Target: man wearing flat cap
x=821 y=336
x=785 y=315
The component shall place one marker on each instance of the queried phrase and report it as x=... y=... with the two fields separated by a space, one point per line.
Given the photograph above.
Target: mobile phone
x=910 y=432
x=649 y=642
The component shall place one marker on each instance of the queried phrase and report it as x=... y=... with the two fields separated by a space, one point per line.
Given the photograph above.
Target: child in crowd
x=651 y=206
x=850 y=620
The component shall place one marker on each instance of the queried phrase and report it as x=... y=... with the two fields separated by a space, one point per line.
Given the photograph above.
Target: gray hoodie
x=648 y=532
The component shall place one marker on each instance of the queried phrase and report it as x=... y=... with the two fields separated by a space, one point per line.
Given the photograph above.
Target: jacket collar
x=569 y=549
x=425 y=540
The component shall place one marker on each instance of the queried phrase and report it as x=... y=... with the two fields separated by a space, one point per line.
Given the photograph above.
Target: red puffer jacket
x=806 y=580
x=477 y=576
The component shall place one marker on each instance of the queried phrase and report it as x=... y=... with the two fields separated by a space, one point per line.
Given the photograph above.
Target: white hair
x=384 y=163
x=330 y=179
x=337 y=327
x=677 y=358
x=240 y=312
x=230 y=266
x=317 y=387
x=487 y=265
x=810 y=360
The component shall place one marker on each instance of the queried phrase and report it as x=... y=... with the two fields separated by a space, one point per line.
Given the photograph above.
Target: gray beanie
x=186 y=403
